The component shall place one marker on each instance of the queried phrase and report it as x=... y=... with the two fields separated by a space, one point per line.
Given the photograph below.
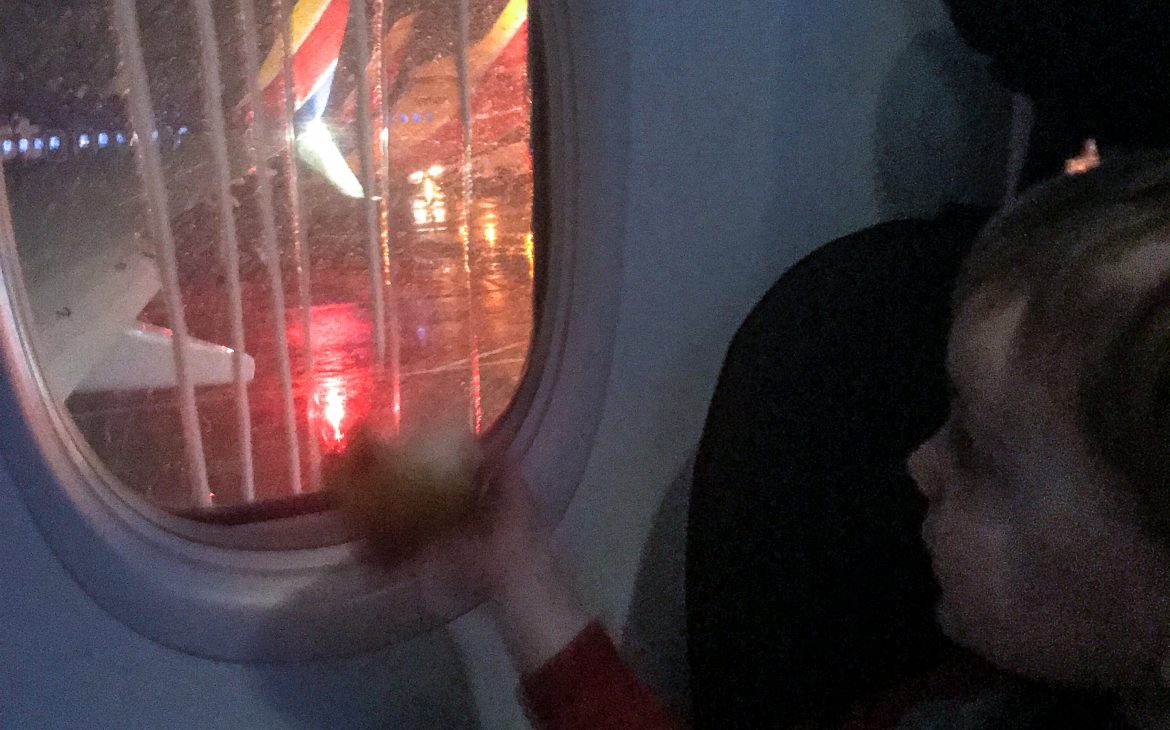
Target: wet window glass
x=234 y=255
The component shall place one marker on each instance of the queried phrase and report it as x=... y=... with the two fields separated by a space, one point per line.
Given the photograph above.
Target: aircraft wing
x=89 y=271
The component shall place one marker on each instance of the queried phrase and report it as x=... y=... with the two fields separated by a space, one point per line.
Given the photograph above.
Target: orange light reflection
x=1088 y=159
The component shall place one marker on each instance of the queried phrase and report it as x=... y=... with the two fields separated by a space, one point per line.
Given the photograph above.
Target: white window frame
x=294 y=589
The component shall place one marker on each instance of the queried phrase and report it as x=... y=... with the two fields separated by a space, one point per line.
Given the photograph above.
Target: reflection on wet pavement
x=136 y=433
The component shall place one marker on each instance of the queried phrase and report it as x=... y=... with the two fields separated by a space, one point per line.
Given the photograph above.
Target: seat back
x=808 y=588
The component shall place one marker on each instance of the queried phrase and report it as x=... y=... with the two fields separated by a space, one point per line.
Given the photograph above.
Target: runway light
x=103 y=139
x=416 y=177
x=183 y=130
x=489 y=234
x=120 y=138
x=8 y=147
x=38 y=144
x=54 y=142
x=435 y=170
x=83 y=141
x=23 y=145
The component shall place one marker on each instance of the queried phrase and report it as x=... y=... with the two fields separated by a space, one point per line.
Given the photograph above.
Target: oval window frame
x=220 y=592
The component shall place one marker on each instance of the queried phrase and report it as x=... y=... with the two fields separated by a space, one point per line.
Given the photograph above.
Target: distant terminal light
x=38 y=144
x=416 y=117
x=103 y=139
x=120 y=138
x=54 y=142
x=83 y=141
x=403 y=118
x=8 y=146
x=23 y=145
x=183 y=130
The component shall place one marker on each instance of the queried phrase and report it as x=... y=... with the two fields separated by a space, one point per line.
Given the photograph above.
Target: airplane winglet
x=142 y=358
x=317 y=148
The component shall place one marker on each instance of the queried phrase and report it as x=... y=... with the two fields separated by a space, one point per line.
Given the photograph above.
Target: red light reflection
x=340 y=393
x=330 y=399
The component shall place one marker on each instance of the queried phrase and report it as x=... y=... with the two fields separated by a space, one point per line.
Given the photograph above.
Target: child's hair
x=1089 y=256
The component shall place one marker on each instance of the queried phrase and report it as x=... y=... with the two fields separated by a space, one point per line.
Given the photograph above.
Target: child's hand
x=464 y=524
x=468 y=526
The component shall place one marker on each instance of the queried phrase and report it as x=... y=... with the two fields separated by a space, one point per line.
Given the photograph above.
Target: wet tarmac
x=138 y=435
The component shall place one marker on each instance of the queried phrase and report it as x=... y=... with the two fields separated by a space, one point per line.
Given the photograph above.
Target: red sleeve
x=964 y=677
x=588 y=687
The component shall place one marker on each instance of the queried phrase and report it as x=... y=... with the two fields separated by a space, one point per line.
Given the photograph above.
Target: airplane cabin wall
x=759 y=131
x=756 y=131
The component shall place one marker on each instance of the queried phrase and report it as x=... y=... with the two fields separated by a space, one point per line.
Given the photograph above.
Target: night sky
x=58 y=58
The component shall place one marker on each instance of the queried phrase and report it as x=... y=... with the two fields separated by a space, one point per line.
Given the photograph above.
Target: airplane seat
x=1091 y=69
x=807 y=587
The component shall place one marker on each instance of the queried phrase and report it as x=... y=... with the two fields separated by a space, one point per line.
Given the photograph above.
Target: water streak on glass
x=462 y=50
x=271 y=253
x=380 y=100
x=369 y=205
x=229 y=241
x=282 y=19
x=150 y=169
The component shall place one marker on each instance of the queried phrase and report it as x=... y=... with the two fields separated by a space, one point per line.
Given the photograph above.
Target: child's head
x=1049 y=486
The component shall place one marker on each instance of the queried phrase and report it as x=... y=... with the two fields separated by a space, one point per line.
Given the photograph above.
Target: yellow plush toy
x=402 y=492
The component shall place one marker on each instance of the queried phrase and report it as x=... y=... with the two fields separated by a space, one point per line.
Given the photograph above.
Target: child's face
x=1040 y=572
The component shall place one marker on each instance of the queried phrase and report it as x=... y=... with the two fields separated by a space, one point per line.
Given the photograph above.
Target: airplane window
x=308 y=241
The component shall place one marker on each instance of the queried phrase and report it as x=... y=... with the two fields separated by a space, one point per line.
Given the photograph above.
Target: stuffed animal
x=403 y=492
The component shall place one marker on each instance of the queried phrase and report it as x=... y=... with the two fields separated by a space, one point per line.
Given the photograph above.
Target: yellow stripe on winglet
x=490 y=46
x=305 y=15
